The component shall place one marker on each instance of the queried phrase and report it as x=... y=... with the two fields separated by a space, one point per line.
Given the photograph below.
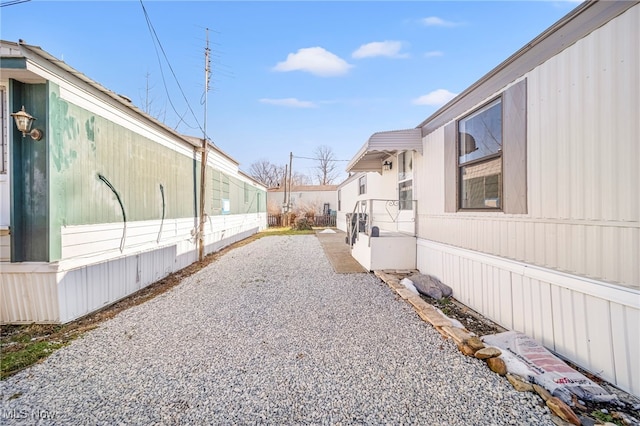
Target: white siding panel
x=97 y=286
x=626 y=339
x=504 y=285
x=519 y=301
x=600 y=336
x=73 y=294
x=581 y=337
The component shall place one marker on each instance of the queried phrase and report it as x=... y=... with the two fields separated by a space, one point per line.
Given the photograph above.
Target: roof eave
x=381 y=145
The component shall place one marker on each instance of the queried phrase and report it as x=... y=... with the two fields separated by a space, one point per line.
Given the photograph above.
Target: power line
x=155 y=40
x=12 y=2
x=318 y=159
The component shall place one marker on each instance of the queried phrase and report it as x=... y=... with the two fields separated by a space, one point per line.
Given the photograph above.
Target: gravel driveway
x=268 y=334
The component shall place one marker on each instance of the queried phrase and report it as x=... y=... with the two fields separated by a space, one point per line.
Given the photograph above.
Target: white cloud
x=315 y=60
x=433 y=54
x=386 y=48
x=289 y=102
x=434 y=21
x=436 y=98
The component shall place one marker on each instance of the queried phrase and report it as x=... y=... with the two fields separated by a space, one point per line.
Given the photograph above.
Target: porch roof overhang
x=383 y=144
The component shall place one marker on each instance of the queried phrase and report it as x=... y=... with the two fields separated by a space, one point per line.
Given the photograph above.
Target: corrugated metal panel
x=596 y=330
x=28 y=297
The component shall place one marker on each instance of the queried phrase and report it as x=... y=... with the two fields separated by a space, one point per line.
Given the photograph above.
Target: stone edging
x=471 y=345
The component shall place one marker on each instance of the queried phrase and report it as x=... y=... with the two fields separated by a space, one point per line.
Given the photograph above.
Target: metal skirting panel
x=30 y=297
x=92 y=287
x=68 y=295
x=591 y=323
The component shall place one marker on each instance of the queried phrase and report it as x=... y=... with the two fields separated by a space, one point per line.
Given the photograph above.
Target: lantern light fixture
x=24 y=121
x=387 y=165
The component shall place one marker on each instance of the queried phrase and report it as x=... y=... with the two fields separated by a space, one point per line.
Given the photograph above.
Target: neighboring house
x=320 y=199
x=527 y=190
x=107 y=201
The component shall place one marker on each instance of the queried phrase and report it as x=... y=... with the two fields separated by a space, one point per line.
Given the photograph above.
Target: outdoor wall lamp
x=387 y=165
x=24 y=120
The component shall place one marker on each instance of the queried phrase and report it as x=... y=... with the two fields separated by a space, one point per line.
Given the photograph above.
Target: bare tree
x=327 y=170
x=267 y=173
x=298 y=178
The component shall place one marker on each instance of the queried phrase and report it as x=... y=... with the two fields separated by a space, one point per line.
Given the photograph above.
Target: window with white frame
x=405 y=180
x=362 y=185
x=4 y=135
x=339 y=200
x=480 y=158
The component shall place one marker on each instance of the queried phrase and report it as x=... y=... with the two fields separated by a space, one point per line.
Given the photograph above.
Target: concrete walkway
x=338 y=252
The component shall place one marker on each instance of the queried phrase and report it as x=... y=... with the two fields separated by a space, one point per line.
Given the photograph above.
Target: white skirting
x=592 y=323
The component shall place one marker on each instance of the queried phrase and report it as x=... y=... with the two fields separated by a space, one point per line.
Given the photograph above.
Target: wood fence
x=325 y=221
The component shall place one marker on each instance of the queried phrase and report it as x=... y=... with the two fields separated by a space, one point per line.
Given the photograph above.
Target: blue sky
x=286 y=76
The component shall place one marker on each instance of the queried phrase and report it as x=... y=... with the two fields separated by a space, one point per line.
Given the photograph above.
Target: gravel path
x=268 y=334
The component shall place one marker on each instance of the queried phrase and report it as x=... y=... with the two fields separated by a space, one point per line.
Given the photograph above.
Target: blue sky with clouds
x=286 y=76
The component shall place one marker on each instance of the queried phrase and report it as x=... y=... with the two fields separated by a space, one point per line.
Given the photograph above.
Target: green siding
x=223 y=186
x=85 y=145
x=29 y=177
x=56 y=180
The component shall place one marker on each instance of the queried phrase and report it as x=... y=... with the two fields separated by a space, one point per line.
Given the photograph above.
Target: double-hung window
x=362 y=185
x=485 y=156
x=480 y=158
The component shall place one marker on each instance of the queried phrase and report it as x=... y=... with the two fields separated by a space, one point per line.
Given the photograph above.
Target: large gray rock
x=430 y=286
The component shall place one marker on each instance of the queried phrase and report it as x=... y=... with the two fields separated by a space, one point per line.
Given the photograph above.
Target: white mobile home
x=105 y=200
x=318 y=199
x=527 y=190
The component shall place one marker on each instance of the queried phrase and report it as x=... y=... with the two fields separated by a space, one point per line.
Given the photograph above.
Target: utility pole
x=284 y=201
x=290 y=168
x=203 y=160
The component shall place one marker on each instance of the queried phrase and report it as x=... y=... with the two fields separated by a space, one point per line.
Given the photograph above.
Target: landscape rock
x=466 y=349
x=430 y=286
x=519 y=384
x=497 y=365
x=544 y=394
x=562 y=410
x=457 y=334
x=488 y=352
x=475 y=343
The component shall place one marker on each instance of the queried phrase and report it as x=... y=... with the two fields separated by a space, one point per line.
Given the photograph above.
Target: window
x=362 y=185
x=405 y=180
x=480 y=158
x=246 y=193
x=485 y=156
x=3 y=131
x=339 y=200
